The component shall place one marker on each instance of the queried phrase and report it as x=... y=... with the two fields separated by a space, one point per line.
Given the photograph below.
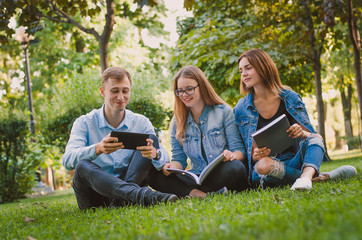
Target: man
x=105 y=173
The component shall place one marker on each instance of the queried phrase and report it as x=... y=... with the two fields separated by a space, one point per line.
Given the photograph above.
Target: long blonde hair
x=207 y=93
x=266 y=69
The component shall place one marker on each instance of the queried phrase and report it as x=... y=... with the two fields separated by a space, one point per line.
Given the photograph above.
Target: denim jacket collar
x=284 y=93
x=249 y=101
x=203 y=118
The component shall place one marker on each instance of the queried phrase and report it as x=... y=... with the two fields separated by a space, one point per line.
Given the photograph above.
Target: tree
x=352 y=20
x=316 y=42
x=221 y=30
x=66 y=12
x=292 y=32
x=339 y=72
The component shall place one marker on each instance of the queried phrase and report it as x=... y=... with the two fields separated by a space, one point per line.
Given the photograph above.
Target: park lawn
x=331 y=210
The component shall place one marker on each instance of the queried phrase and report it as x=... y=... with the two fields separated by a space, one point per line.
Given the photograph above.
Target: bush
x=17 y=171
x=353 y=142
x=57 y=131
x=159 y=116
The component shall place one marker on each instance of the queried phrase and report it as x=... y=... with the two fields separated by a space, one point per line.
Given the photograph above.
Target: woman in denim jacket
x=267 y=100
x=203 y=128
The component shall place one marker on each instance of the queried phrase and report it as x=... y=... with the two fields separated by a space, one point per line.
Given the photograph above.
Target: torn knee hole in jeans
x=277 y=170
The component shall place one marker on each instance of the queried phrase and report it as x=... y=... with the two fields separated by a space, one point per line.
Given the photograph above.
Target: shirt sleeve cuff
x=158 y=164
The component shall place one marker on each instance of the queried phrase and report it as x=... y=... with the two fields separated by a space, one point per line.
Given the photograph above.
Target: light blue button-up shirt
x=90 y=129
x=216 y=131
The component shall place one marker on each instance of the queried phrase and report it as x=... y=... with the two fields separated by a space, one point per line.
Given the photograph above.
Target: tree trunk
x=103 y=41
x=103 y=54
x=356 y=42
x=315 y=55
x=347 y=107
x=49 y=178
x=339 y=143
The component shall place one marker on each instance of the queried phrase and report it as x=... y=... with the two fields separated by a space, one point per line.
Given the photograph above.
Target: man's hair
x=116 y=73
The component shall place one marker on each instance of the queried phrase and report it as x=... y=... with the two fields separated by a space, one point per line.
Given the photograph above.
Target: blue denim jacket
x=90 y=129
x=218 y=132
x=246 y=117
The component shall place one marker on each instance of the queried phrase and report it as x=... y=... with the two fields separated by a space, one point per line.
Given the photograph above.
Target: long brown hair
x=207 y=93
x=265 y=67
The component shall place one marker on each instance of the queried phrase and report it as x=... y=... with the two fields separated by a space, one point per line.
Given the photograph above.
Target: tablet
x=131 y=140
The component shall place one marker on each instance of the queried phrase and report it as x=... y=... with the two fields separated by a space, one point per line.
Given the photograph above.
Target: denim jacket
x=216 y=131
x=246 y=117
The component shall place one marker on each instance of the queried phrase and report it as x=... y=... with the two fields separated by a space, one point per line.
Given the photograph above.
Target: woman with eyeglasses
x=204 y=127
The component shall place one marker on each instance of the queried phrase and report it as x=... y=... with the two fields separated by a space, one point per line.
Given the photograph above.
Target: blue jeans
x=310 y=154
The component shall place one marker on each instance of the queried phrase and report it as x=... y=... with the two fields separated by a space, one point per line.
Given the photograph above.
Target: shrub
x=17 y=170
x=159 y=116
x=57 y=131
x=353 y=142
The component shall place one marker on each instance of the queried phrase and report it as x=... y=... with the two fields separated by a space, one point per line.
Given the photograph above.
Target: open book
x=274 y=136
x=199 y=179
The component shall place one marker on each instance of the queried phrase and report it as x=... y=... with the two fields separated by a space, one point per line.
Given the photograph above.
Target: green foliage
x=78 y=96
x=221 y=30
x=57 y=131
x=330 y=211
x=354 y=142
x=16 y=167
x=159 y=116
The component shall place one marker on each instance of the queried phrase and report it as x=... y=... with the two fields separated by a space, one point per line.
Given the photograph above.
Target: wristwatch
x=158 y=154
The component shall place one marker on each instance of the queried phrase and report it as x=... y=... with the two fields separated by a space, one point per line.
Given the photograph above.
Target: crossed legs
x=290 y=167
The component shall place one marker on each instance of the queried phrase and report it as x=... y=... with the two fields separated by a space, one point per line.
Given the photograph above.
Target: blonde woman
x=204 y=127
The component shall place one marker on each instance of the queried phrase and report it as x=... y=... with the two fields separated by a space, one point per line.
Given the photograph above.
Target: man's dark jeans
x=94 y=187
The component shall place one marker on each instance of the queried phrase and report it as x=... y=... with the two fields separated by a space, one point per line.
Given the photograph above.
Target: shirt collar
x=103 y=123
x=127 y=120
x=102 y=119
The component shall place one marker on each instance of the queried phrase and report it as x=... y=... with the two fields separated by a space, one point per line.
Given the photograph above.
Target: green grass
x=331 y=210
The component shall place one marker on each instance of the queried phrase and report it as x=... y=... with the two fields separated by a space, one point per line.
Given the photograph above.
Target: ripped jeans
x=310 y=154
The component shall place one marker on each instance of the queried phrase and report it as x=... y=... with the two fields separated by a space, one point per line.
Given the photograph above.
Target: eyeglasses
x=188 y=91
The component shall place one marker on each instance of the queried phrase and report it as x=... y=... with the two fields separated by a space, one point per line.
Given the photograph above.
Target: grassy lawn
x=331 y=210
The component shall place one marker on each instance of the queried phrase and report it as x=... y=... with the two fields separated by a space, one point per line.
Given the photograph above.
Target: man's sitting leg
x=93 y=188
x=138 y=169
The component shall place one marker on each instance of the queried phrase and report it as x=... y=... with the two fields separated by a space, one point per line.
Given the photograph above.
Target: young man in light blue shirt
x=105 y=173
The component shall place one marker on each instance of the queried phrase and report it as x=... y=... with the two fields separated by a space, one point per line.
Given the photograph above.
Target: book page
x=210 y=167
x=184 y=172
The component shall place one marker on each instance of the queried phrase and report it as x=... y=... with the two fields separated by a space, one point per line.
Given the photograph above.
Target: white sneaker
x=345 y=171
x=302 y=184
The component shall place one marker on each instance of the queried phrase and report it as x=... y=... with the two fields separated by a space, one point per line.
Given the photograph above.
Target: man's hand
x=176 y=165
x=148 y=151
x=108 y=145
